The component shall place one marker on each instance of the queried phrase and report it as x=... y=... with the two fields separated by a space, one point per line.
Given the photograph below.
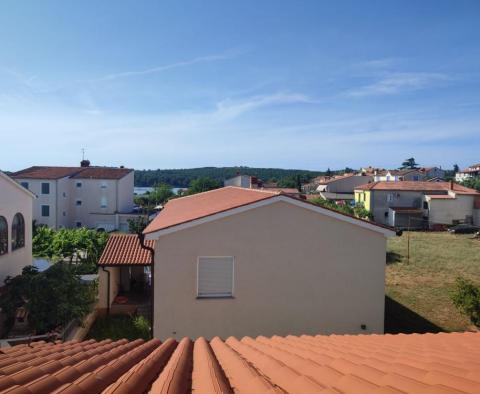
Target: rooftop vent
x=85 y=163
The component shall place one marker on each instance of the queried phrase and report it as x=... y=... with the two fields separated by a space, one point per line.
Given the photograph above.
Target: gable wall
x=296 y=272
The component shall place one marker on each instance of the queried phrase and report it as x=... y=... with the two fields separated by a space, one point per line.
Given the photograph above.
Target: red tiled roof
x=415 y=363
x=42 y=172
x=327 y=179
x=188 y=208
x=417 y=186
x=125 y=249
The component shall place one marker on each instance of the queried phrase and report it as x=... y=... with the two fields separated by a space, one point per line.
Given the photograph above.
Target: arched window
x=18 y=231
x=3 y=235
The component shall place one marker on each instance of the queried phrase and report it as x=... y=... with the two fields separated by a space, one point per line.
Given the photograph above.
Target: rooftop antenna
x=83 y=154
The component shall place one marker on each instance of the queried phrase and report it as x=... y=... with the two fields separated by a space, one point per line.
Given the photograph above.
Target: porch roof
x=125 y=250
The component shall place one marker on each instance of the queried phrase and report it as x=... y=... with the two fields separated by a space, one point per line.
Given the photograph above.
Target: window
x=45 y=188
x=215 y=277
x=64 y=195
x=64 y=213
x=78 y=184
x=390 y=197
x=24 y=184
x=78 y=202
x=103 y=185
x=78 y=224
x=18 y=231
x=103 y=202
x=45 y=210
x=425 y=205
x=3 y=235
x=415 y=178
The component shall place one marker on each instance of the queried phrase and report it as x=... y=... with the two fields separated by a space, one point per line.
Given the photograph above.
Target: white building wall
x=13 y=200
x=445 y=211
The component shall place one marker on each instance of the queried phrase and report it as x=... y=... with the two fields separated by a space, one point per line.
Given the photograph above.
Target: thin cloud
x=396 y=83
x=154 y=70
x=228 y=109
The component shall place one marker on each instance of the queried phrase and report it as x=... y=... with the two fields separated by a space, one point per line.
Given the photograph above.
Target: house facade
x=340 y=187
x=237 y=261
x=246 y=181
x=417 y=204
x=85 y=196
x=15 y=227
x=399 y=175
x=468 y=173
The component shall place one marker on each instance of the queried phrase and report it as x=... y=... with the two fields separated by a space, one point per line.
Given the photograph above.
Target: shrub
x=466 y=297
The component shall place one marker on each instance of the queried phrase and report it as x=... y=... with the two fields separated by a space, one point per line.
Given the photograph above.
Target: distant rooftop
x=87 y=172
x=418 y=186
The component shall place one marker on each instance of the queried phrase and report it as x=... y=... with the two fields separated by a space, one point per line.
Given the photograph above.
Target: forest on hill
x=183 y=177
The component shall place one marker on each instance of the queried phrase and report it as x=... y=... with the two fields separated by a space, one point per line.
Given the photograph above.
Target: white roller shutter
x=215 y=277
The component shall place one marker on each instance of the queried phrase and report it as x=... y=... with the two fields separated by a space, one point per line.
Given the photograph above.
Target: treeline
x=183 y=177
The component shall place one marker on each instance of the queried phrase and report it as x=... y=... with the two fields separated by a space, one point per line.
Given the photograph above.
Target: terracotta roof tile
x=426 y=187
x=45 y=172
x=125 y=249
x=426 y=363
x=185 y=209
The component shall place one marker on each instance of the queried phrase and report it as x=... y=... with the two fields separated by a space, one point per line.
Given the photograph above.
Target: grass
x=116 y=327
x=422 y=286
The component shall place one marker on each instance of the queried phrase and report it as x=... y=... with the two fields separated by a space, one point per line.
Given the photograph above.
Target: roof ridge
x=222 y=188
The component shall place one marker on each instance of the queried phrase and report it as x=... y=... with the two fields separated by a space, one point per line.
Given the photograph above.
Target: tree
x=160 y=194
x=52 y=298
x=409 y=163
x=456 y=168
x=137 y=225
x=202 y=185
x=81 y=244
x=473 y=183
x=328 y=172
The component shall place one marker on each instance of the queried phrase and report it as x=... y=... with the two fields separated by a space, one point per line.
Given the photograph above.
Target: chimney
x=85 y=163
x=451 y=184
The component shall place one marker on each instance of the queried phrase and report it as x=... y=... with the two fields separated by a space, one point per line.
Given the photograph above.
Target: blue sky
x=291 y=84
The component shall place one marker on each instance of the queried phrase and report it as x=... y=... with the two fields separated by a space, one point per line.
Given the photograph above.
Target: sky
x=288 y=84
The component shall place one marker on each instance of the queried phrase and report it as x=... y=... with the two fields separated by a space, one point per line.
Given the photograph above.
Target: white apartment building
x=85 y=196
x=468 y=173
x=15 y=227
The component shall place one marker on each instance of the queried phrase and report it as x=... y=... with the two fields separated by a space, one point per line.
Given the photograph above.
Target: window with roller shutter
x=215 y=276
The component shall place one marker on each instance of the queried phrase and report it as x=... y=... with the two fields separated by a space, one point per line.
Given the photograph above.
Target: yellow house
x=363 y=197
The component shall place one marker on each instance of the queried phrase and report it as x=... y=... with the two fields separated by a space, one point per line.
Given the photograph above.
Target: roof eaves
x=16 y=184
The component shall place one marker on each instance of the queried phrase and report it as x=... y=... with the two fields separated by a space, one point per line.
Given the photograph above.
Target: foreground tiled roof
x=415 y=363
x=125 y=249
x=42 y=172
x=185 y=209
x=418 y=186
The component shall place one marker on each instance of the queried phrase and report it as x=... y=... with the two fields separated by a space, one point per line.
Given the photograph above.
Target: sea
x=142 y=190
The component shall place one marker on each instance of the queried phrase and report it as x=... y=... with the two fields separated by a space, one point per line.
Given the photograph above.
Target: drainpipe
x=108 y=289
x=141 y=238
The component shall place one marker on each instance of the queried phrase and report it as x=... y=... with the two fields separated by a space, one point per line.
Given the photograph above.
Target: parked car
x=463 y=229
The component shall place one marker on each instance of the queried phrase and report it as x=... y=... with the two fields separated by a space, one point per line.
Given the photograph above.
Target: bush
x=466 y=297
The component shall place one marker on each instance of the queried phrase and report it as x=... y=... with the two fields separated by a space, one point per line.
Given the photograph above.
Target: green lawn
x=117 y=327
x=423 y=284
